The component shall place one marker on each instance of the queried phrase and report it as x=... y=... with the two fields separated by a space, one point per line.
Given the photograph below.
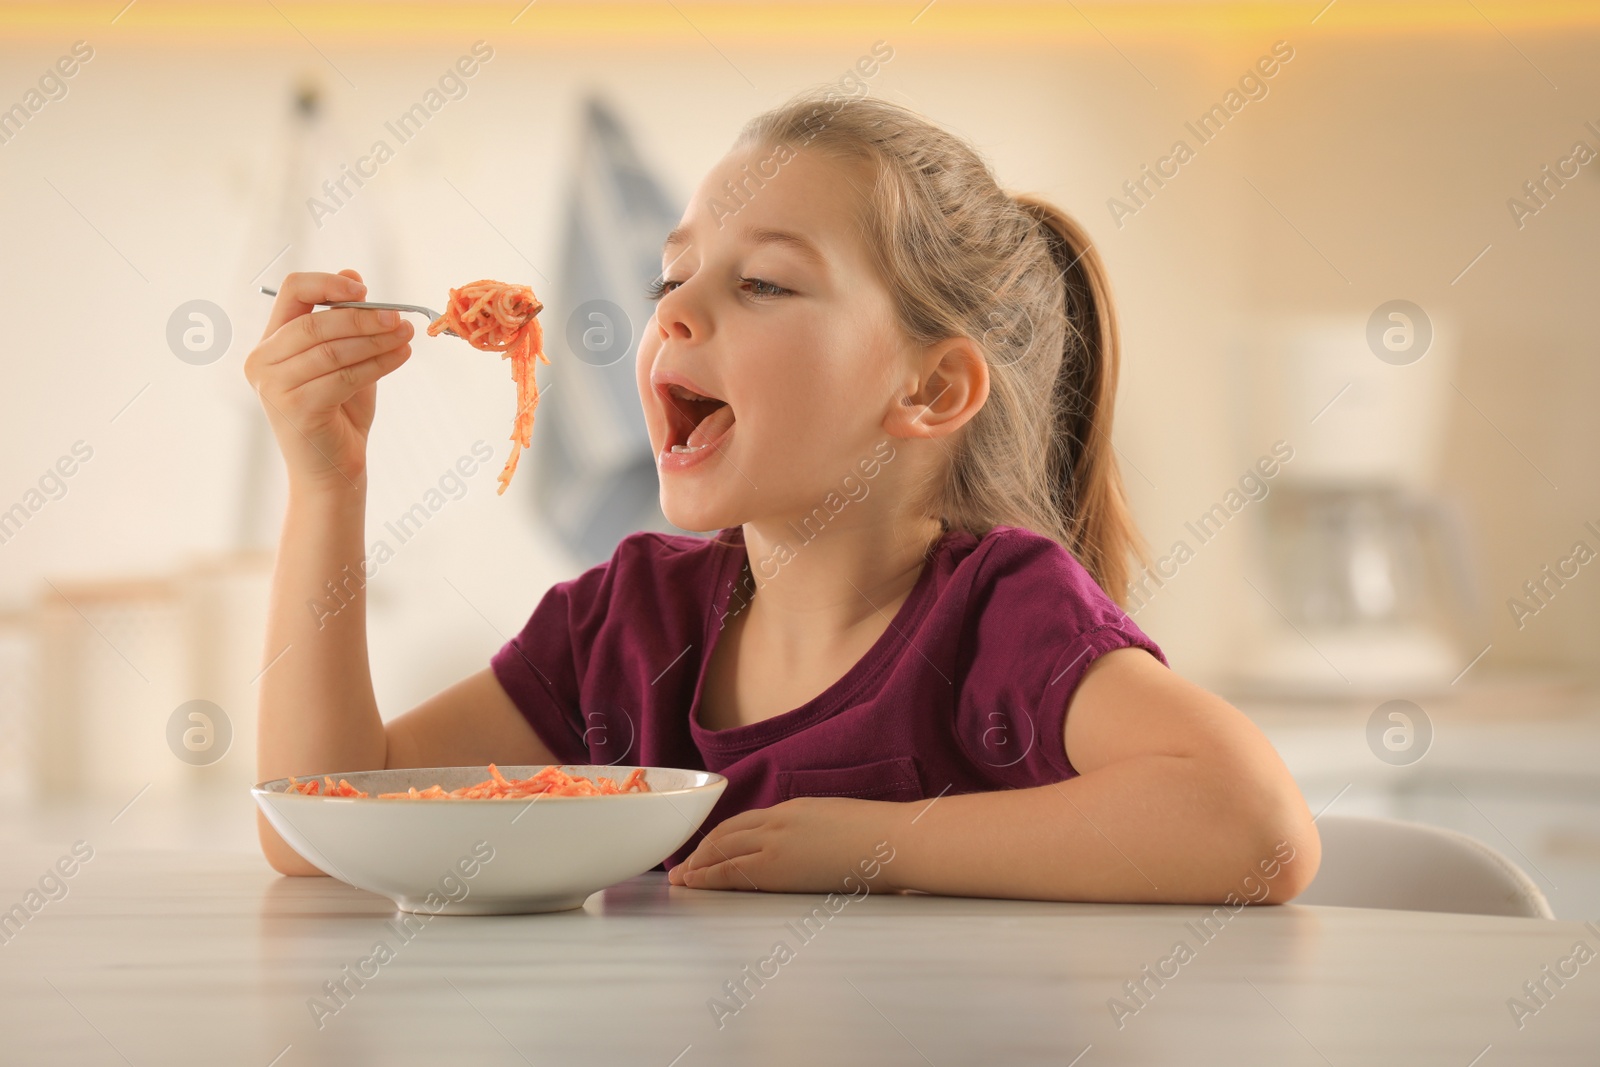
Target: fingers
x=287 y=378
x=302 y=344
x=742 y=821
x=729 y=874
x=725 y=863
x=317 y=328
x=302 y=291
x=727 y=847
x=735 y=836
x=330 y=355
x=334 y=388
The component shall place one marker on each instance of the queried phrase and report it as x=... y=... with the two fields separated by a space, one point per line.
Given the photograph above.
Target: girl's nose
x=678 y=319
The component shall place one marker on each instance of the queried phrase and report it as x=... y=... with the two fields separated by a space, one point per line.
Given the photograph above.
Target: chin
x=699 y=515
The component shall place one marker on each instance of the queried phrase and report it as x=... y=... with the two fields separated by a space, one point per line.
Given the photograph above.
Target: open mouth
x=694 y=420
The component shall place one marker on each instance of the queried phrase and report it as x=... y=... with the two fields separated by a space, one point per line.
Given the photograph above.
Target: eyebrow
x=788 y=240
x=759 y=236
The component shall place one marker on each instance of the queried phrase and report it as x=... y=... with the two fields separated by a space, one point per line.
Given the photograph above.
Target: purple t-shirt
x=965 y=691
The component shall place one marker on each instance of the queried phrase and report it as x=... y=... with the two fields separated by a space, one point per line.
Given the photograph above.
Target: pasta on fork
x=499 y=317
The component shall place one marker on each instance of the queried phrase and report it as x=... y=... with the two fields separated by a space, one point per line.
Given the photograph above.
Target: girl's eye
x=759 y=288
x=658 y=288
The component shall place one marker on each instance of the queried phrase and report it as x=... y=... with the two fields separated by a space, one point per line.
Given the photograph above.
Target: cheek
x=799 y=417
x=817 y=385
x=815 y=420
x=844 y=403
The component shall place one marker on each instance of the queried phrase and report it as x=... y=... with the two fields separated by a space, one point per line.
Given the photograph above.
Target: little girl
x=886 y=384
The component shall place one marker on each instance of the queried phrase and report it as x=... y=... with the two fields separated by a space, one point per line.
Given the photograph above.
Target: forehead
x=776 y=196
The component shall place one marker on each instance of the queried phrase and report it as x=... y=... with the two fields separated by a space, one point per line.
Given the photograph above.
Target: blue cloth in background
x=595 y=478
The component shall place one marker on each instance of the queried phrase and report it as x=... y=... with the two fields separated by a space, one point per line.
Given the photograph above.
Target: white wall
x=1394 y=159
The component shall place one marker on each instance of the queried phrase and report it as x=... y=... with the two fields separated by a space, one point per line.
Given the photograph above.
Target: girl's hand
x=805 y=845
x=317 y=371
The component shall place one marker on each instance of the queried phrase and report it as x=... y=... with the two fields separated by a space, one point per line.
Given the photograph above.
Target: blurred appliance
x=1363 y=566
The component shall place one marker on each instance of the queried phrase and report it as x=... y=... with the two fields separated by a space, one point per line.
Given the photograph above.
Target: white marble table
x=178 y=957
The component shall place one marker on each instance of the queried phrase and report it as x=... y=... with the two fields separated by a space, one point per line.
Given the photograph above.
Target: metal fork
x=416 y=309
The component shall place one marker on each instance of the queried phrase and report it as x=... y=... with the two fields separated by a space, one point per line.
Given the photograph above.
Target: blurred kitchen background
x=1356 y=416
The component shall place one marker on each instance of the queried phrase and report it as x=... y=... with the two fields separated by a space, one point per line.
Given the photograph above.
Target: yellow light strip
x=657 y=22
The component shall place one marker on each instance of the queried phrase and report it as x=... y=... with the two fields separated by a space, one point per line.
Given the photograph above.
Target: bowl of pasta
x=489 y=840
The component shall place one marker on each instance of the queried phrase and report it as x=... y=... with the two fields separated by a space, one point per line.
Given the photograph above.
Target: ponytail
x=1087 y=486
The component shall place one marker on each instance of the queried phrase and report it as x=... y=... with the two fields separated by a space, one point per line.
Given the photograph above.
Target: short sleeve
x=542 y=667
x=1036 y=621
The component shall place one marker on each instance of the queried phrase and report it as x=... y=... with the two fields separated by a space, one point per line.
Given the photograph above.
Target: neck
x=847 y=572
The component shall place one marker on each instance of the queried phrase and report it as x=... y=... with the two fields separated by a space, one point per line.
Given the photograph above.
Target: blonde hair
x=963 y=257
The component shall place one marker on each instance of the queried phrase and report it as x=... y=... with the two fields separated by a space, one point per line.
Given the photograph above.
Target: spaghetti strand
x=499 y=317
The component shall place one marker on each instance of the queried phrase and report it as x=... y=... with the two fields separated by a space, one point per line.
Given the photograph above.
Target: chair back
x=1386 y=863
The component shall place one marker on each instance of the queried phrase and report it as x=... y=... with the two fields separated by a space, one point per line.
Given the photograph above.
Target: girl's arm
x=1179 y=799
x=317 y=378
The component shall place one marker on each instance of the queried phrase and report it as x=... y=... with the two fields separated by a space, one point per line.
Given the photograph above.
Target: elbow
x=1301 y=867
x=1266 y=846
x=1286 y=848
x=1294 y=853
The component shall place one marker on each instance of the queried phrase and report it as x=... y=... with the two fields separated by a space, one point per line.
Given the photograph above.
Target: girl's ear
x=952 y=384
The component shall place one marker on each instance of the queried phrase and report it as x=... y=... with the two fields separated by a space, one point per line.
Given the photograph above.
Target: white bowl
x=489 y=857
